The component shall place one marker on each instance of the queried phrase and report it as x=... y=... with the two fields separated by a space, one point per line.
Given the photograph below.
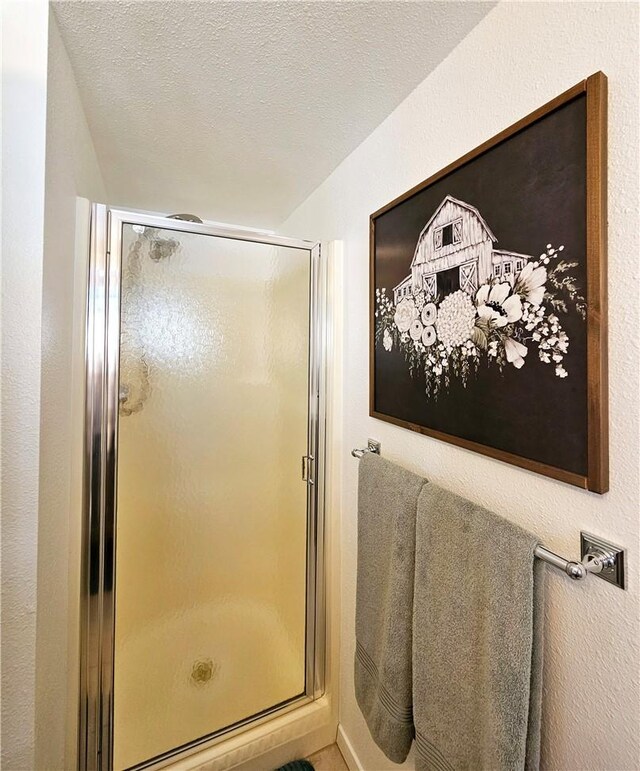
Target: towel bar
x=372 y=446
x=599 y=557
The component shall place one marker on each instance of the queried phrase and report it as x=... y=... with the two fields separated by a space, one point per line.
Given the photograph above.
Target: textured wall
x=71 y=170
x=24 y=94
x=517 y=58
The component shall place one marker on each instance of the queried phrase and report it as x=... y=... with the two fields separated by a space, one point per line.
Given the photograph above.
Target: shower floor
x=199 y=672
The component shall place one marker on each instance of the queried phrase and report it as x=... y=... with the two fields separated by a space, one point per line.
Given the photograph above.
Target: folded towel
x=387 y=502
x=477 y=639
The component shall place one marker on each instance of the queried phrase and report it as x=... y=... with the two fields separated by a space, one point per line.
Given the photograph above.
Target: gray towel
x=387 y=502
x=477 y=639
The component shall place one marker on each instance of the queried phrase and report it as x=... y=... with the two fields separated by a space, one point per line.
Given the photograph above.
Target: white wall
x=38 y=239
x=520 y=56
x=71 y=170
x=24 y=91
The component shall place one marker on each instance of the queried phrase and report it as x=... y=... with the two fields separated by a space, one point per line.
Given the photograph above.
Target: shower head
x=160 y=247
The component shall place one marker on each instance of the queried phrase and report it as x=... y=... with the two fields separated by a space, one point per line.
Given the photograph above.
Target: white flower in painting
x=429 y=313
x=497 y=305
x=419 y=299
x=406 y=312
x=515 y=352
x=530 y=283
x=455 y=320
x=415 y=330
x=469 y=349
x=387 y=340
x=561 y=371
x=428 y=336
x=493 y=348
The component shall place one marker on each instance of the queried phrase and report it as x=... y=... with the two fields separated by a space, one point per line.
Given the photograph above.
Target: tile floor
x=328 y=759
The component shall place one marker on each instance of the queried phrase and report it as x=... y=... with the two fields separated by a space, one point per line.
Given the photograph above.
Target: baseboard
x=348 y=753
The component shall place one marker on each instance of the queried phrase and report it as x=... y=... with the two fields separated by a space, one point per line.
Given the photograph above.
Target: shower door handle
x=306 y=466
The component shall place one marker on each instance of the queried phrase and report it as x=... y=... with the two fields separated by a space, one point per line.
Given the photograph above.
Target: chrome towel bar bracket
x=372 y=446
x=598 y=557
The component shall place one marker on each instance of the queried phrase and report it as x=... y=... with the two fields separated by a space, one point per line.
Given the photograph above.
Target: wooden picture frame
x=390 y=390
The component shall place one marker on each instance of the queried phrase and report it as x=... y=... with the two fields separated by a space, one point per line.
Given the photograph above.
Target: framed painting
x=488 y=296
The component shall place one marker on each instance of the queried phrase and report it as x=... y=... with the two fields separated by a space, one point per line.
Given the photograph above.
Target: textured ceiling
x=236 y=111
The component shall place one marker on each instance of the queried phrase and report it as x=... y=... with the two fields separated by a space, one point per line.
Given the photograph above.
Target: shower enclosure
x=202 y=578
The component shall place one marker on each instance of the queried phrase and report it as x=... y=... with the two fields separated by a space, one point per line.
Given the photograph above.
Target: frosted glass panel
x=211 y=508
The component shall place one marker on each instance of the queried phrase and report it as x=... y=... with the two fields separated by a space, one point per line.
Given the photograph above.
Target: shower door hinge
x=307 y=460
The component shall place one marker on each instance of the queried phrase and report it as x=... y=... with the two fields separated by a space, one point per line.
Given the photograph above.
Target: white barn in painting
x=455 y=250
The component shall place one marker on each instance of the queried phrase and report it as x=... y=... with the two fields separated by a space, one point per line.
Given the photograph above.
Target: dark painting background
x=531 y=190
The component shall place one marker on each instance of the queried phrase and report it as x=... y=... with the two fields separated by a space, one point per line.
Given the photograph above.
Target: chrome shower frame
x=102 y=350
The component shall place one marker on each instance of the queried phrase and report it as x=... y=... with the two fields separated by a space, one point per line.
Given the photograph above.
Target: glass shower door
x=214 y=525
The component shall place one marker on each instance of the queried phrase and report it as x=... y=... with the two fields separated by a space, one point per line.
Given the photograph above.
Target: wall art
x=488 y=296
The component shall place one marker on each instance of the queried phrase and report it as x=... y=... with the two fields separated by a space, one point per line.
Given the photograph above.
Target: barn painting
x=485 y=331
x=466 y=304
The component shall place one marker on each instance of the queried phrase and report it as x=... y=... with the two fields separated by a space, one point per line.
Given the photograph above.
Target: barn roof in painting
x=464 y=205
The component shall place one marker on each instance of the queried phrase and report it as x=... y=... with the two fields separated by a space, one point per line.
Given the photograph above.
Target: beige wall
x=520 y=56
